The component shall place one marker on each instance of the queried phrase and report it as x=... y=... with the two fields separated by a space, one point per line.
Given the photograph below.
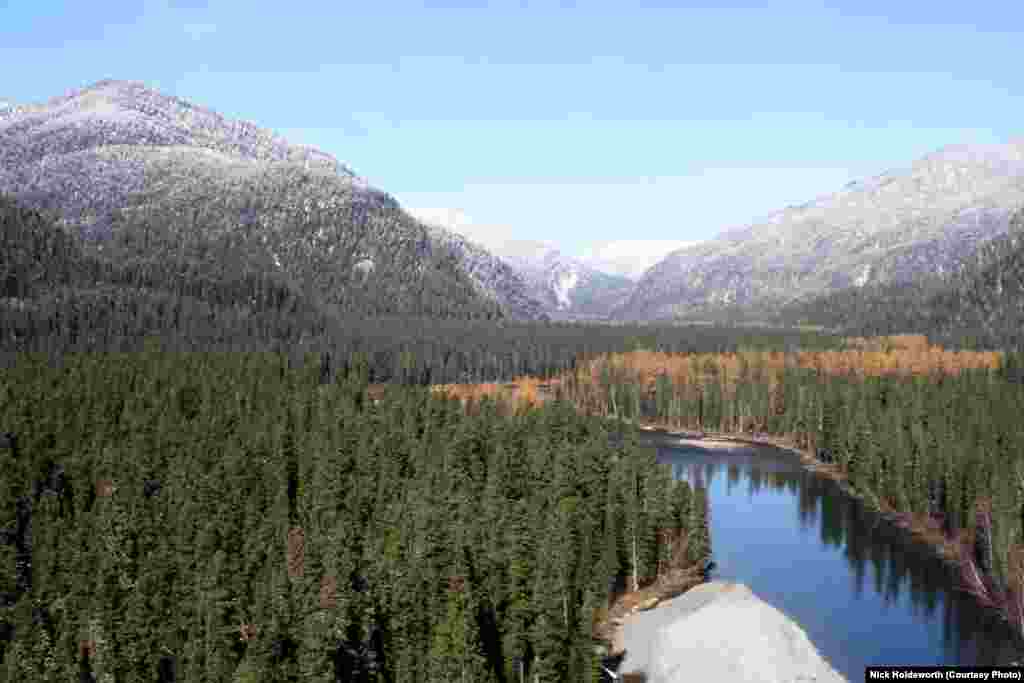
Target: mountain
x=629 y=258
x=567 y=287
x=893 y=228
x=496 y=279
x=158 y=177
x=563 y=287
x=980 y=302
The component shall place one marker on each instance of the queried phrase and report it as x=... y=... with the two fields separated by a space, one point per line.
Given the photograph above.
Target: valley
x=259 y=422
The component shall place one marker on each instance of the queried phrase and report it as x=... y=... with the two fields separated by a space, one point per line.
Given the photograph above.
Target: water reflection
x=864 y=594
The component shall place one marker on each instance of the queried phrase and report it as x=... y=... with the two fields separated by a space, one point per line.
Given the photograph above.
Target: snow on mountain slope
x=118 y=156
x=890 y=228
x=566 y=286
x=495 y=278
x=629 y=258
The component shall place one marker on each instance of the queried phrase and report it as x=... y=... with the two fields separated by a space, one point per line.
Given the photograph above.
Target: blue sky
x=576 y=123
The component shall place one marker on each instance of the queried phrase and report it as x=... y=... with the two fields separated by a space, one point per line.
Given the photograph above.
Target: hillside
x=894 y=228
x=980 y=302
x=496 y=279
x=119 y=161
x=567 y=287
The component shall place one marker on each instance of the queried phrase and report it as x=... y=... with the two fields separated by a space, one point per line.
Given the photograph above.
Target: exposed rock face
x=565 y=286
x=117 y=153
x=720 y=632
x=891 y=228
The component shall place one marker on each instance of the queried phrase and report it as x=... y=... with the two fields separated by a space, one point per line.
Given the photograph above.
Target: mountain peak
x=566 y=286
x=122 y=112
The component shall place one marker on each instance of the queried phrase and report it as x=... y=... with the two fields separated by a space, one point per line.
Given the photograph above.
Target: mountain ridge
x=568 y=287
x=892 y=227
x=979 y=303
x=117 y=156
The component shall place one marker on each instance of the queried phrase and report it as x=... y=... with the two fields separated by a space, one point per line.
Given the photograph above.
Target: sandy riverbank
x=720 y=631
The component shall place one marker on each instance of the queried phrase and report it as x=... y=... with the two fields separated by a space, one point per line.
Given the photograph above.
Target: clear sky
x=577 y=123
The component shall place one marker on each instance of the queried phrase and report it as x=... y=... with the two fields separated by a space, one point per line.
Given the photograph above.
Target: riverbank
x=673 y=583
x=924 y=531
x=920 y=528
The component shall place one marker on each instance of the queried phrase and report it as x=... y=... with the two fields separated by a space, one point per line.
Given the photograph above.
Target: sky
x=593 y=126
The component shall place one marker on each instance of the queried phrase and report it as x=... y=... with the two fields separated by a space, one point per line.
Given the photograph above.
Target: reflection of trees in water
x=704 y=474
x=754 y=480
x=897 y=567
x=734 y=477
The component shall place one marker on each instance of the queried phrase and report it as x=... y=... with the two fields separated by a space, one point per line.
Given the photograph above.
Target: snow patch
x=563 y=285
x=865 y=275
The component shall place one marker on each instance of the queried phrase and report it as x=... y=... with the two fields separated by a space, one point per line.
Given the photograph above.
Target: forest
x=929 y=434
x=214 y=517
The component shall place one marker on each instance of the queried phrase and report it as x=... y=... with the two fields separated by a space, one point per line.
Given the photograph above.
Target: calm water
x=863 y=594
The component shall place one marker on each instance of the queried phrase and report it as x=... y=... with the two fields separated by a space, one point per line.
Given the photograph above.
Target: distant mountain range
x=157 y=179
x=563 y=287
x=567 y=287
x=629 y=258
x=117 y=157
x=894 y=228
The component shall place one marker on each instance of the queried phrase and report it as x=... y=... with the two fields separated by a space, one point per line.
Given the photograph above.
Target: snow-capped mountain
x=566 y=286
x=116 y=155
x=629 y=258
x=892 y=228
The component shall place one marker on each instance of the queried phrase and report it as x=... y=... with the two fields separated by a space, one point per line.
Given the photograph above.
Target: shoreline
x=664 y=589
x=925 y=531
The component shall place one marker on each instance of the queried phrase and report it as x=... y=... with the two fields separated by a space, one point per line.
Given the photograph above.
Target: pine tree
x=699 y=545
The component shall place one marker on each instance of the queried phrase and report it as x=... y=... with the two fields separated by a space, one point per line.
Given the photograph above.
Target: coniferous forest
x=240 y=517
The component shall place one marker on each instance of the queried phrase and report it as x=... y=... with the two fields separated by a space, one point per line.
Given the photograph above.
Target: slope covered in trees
x=232 y=517
x=60 y=294
x=979 y=304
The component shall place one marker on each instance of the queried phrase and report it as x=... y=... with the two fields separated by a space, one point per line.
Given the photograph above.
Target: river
x=863 y=592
